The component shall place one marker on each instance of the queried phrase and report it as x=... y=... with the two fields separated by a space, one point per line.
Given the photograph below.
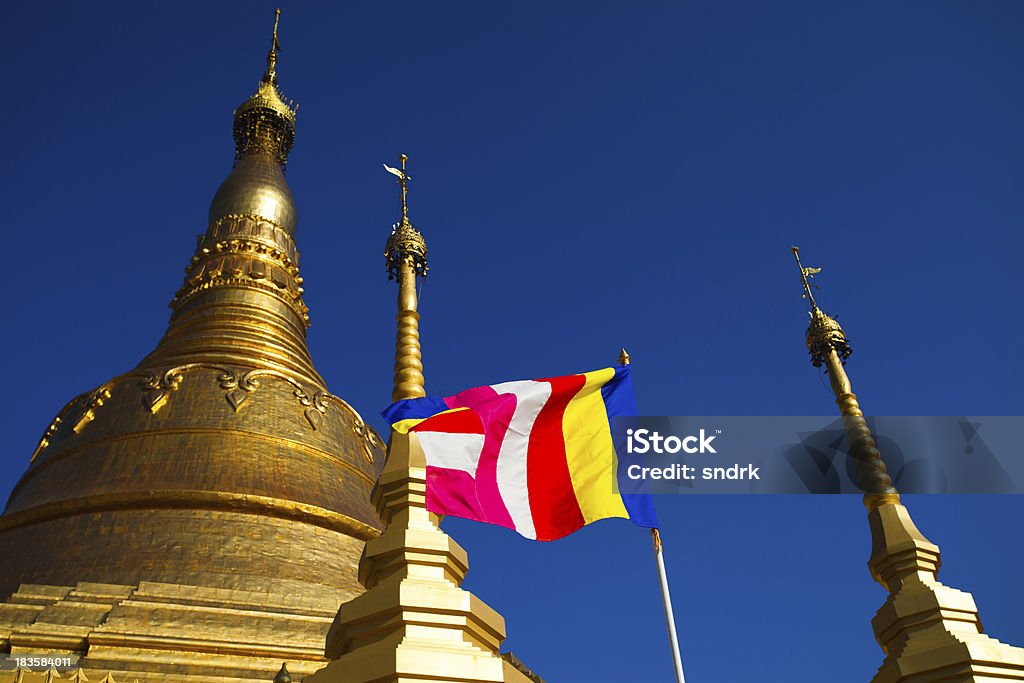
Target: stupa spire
x=928 y=631
x=242 y=298
x=270 y=75
x=265 y=123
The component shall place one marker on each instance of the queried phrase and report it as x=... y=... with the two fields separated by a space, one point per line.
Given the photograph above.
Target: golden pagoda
x=201 y=516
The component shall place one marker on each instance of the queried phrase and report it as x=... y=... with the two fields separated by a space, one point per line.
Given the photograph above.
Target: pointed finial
x=283 y=676
x=623 y=356
x=403 y=181
x=405 y=188
x=270 y=75
x=805 y=275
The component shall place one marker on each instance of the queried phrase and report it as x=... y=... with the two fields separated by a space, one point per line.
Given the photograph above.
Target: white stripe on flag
x=453 y=451
x=530 y=398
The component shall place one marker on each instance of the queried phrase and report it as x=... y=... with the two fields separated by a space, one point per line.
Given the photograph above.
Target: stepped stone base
x=165 y=632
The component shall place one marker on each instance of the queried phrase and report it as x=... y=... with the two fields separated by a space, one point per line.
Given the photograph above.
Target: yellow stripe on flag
x=403 y=426
x=408 y=424
x=589 y=450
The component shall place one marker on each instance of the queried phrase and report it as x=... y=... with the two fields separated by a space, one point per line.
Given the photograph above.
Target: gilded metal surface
x=405 y=246
x=824 y=336
x=218 y=491
x=928 y=631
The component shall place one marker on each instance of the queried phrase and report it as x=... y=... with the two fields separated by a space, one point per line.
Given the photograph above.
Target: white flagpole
x=670 y=618
x=666 y=598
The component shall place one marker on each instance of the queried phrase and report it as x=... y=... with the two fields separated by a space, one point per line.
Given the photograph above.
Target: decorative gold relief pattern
x=240 y=385
x=96 y=399
x=246 y=250
x=405 y=245
x=159 y=389
x=45 y=440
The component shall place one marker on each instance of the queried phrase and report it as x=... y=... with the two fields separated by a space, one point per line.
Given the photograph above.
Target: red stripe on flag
x=552 y=497
x=463 y=421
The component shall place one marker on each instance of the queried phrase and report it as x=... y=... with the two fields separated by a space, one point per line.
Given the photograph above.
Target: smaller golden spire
x=827 y=344
x=623 y=356
x=926 y=629
x=406 y=256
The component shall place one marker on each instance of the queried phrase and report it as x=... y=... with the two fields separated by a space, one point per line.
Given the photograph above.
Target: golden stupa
x=201 y=516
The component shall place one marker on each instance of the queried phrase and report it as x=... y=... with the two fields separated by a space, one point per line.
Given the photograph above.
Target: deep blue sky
x=587 y=175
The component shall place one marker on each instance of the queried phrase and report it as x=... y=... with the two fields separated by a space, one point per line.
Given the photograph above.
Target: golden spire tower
x=204 y=512
x=414 y=622
x=406 y=258
x=928 y=631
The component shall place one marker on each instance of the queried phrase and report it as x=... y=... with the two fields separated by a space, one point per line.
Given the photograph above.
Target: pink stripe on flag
x=495 y=412
x=451 y=492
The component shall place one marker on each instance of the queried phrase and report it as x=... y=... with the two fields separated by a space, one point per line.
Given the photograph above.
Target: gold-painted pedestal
x=414 y=623
x=929 y=632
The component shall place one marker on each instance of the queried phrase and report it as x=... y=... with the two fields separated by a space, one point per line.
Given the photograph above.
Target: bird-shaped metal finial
x=403 y=180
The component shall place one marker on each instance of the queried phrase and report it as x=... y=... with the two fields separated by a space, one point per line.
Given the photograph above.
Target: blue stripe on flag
x=414 y=409
x=619 y=400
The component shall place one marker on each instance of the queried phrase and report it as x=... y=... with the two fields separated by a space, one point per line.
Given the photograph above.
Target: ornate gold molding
x=45 y=440
x=191 y=500
x=249 y=251
x=96 y=399
x=405 y=245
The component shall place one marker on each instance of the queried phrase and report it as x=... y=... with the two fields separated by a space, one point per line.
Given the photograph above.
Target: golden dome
x=256 y=187
x=221 y=460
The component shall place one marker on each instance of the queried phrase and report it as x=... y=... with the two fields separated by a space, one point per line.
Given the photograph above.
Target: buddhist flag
x=536 y=456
